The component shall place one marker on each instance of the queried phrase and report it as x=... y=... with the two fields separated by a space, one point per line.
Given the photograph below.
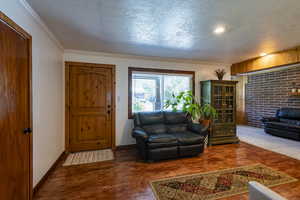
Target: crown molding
x=152 y=58
x=40 y=22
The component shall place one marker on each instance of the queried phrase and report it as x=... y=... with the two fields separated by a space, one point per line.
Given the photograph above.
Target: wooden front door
x=91 y=106
x=15 y=112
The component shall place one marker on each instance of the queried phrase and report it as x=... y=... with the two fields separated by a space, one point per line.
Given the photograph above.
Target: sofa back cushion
x=161 y=122
x=149 y=118
x=175 y=117
x=289 y=113
x=155 y=129
x=177 y=128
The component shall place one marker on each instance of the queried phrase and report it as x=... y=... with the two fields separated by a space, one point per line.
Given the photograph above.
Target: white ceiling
x=174 y=28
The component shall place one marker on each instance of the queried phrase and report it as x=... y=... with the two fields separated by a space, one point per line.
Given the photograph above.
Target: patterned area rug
x=217 y=184
x=89 y=157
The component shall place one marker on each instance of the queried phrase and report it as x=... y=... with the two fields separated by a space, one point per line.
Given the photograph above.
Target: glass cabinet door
x=223 y=101
x=218 y=96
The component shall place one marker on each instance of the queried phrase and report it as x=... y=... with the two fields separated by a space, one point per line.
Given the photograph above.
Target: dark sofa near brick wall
x=266 y=92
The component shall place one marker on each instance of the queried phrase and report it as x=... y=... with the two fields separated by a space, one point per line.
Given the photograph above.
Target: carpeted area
x=257 y=137
x=217 y=184
x=89 y=157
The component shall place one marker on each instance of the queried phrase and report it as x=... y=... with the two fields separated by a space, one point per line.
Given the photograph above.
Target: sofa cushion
x=283 y=133
x=148 y=118
x=188 y=138
x=162 y=145
x=283 y=126
x=162 y=140
x=290 y=121
x=155 y=129
x=175 y=128
x=175 y=118
x=289 y=113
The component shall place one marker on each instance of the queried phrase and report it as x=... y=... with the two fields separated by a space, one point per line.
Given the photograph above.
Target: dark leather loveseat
x=164 y=135
x=286 y=123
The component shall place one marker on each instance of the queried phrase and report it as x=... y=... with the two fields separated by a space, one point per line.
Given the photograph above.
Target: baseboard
x=124 y=147
x=52 y=168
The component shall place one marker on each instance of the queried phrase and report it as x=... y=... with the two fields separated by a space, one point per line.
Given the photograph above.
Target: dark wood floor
x=127 y=178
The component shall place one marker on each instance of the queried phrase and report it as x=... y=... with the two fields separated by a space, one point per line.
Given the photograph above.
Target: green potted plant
x=188 y=103
x=208 y=113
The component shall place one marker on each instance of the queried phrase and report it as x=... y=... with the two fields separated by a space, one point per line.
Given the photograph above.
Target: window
x=150 y=88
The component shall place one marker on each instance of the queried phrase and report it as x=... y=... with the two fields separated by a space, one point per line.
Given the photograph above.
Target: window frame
x=162 y=71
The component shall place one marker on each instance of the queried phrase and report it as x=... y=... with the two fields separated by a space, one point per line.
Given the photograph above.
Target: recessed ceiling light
x=263 y=54
x=219 y=30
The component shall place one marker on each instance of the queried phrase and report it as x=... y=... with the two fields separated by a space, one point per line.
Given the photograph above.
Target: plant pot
x=220 y=77
x=205 y=122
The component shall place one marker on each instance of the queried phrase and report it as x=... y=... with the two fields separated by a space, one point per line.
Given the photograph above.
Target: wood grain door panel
x=15 y=115
x=90 y=108
x=92 y=130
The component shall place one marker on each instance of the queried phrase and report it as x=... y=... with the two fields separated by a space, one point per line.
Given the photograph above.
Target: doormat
x=89 y=157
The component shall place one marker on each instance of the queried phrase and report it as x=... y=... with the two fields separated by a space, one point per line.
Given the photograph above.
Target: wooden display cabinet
x=221 y=95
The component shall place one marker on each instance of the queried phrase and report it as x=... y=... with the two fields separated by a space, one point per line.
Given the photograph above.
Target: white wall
x=47 y=79
x=123 y=125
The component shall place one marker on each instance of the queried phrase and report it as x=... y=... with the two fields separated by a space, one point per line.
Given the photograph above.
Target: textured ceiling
x=174 y=28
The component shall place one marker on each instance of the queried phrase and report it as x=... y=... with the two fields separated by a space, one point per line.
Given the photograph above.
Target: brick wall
x=268 y=91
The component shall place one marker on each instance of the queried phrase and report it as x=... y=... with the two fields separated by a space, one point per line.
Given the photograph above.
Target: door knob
x=27 y=131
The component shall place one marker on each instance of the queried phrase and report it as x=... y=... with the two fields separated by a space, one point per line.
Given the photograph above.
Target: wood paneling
x=240 y=100
x=278 y=59
x=164 y=71
x=15 y=111
x=127 y=177
x=90 y=104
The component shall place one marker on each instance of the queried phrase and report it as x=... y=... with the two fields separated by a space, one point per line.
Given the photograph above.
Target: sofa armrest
x=139 y=133
x=198 y=128
x=269 y=119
